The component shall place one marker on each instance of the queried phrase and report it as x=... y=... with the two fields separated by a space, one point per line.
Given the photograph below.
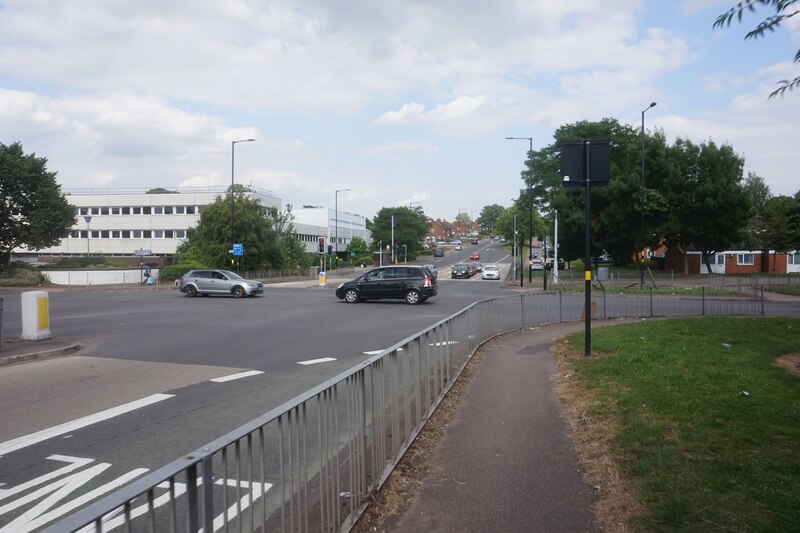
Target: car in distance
x=475 y=257
x=433 y=270
x=476 y=266
x=438 y=253
x=458 y=247
x=207 y=282
x=537 y=264
x=412 y=283
x=491 y=272
x=461 y=271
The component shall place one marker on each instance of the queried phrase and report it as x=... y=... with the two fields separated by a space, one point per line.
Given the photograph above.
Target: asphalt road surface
x=163 y=374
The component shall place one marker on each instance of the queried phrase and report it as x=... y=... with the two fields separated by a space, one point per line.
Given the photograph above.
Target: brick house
x=736 y=262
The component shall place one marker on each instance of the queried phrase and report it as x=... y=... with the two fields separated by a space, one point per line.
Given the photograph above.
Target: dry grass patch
x=400 y=489
x=593 y=432
x=790 y=363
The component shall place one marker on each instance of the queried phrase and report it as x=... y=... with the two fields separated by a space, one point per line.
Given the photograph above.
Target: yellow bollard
x=35 y=315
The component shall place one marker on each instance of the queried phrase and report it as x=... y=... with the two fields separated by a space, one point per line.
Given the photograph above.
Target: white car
x=491 y=272
x=537 y=264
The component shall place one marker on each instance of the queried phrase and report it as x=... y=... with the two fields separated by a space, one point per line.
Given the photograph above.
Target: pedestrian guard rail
x=313 y=463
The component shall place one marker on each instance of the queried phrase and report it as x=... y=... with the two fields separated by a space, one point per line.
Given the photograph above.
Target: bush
x=93 y=262
x=23 y=277
x=173 y=272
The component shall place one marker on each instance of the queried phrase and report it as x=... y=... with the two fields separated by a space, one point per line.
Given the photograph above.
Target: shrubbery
x=23 y=277
x=173 y=272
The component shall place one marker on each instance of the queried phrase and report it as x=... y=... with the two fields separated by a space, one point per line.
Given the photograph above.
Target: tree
x=757 y=191
x=463 y=216
x=287 y=251
x=411 y=227
x=784 y=9
x=358 y=246
x=159 y=190
x=615 y=209
x=489 y=215
x=708 y=206
x=209 y=242
x=34 y=214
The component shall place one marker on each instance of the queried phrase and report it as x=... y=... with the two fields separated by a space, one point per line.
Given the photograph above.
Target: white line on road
x=315 y=361
x=34 y=438
x=240 y=375
x=373 y=352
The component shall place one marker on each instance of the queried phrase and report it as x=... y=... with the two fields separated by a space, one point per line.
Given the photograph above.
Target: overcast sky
x=402 y=102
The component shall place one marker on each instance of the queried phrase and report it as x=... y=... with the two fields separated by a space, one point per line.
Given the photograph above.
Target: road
x=163 y=374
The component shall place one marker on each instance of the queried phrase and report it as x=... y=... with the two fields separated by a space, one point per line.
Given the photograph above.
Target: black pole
x=530 y=232
x=521 y=248
x=587 y=265
x=544 y=261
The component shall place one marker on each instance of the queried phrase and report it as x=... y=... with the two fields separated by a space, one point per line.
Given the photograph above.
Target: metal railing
x=312 y=463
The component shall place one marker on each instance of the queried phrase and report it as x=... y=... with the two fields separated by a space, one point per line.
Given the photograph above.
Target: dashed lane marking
x=240 y=375
x=317 y=361
x=34 y=438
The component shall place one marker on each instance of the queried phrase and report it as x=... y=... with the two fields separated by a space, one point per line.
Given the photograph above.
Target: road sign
x=238 y=249
x=142 y=252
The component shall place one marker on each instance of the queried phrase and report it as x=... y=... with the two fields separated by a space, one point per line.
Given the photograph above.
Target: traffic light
x=330 y=249
x=321 y=248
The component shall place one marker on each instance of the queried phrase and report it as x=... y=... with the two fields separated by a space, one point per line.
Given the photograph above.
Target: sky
x=401 y=102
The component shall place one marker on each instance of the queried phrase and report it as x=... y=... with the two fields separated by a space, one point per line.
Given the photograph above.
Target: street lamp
x=233 y=158
x=87 y=218
x=336 y=220
x=641 y=203
x=530 y=217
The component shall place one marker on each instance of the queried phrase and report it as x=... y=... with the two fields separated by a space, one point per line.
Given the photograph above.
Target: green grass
x=662 y=291
x=709 y=427
x=786 y=289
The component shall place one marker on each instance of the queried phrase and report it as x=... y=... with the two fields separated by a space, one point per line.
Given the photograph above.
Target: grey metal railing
x=312 y=463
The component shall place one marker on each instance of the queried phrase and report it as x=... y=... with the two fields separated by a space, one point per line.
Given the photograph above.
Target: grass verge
x=689 y=424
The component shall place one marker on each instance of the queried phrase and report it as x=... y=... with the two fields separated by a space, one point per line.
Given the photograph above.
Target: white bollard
x=322 y=279
x=35 y=315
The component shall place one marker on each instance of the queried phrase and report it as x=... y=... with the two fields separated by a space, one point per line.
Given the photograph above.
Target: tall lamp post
x=336 y=221
x=641 y=203
x=87 y=218
x=233 y=181
x=530 y=216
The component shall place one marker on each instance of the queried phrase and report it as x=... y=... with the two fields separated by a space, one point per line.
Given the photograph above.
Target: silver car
x=491 y=272
x=207 y=282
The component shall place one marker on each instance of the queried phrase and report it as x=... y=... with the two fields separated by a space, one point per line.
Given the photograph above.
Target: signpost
x=584 y=163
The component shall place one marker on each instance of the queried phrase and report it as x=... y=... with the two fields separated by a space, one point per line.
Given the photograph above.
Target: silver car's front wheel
x=238 y=291
x=190 y=290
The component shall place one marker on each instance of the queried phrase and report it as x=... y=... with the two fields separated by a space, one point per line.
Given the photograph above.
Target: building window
x=180 y=209
x=115 y=210
x=158 y=210
x=191 y=210
x=137 y=234
x=126 y=234
x=136 y=210
x=720 y=259
x=104 y=234
x=146 y=210
x=95 y=234
x=74 y=234
x=169 y=234
x=167 y=209
x=103 y=210
x=158 y=234
x=126 y=210
x=794 y=259
x=115 y=234
x=94 y=210
x=180 y=233
x=147 y=234
x=744 y=259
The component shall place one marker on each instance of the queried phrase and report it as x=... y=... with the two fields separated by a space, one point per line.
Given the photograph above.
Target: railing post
x=762 y=301
x=560 y=307
x=208 y=493
x=651 y=301
x=703 y=308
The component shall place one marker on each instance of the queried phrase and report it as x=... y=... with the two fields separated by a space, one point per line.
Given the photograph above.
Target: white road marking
x=34 y=438
x=240 y=375
x=373 y=352
x=315 y=361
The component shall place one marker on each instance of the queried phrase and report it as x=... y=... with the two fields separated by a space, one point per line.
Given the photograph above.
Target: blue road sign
x=237 y=249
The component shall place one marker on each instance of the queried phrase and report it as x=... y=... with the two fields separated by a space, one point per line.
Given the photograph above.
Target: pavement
x=507 y=461
x=17 y=350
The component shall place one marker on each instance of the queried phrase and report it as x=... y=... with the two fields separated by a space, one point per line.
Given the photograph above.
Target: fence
x=312 y=463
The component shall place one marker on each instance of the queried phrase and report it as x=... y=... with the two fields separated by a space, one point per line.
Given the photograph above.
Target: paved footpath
x=506 y=462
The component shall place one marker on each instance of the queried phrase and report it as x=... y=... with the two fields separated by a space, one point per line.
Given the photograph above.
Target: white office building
x=311 y=223
x=120 y=222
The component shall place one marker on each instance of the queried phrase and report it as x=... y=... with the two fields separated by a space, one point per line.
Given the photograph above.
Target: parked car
x=438 y=253
x=207 y=282
x=476 y=266
x=537 y=264
x=461 y=271
x=491 y=272
x=475 y=257
x=412 y=283
x=458 y=247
